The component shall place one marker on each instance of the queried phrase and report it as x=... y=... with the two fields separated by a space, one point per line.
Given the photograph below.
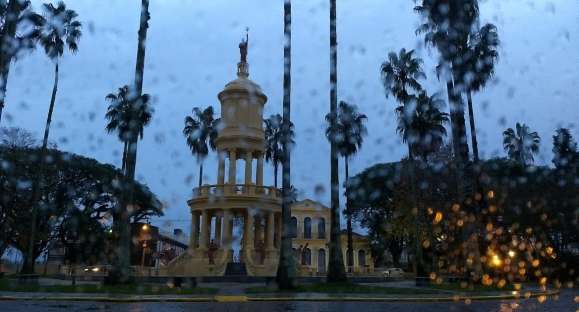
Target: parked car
x=393 y=273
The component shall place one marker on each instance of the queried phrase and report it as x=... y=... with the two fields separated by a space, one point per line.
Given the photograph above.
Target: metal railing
x=206 y=191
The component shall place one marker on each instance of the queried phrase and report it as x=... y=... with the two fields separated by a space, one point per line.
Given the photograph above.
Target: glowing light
x=491 y=194
x=95 y=269
x=512 y=253
x=549 y=250
x=438 y=217
x=145 y=227
x=496 y=261
x=536 y=263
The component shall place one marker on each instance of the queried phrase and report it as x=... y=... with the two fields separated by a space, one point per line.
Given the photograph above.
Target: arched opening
x=322 y=228
x=306 y=257
x=321 y=261
x=293 y=230
x=308 y=227
x=361 y=258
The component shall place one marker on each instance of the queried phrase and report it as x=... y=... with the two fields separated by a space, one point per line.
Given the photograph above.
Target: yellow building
x=227 y=214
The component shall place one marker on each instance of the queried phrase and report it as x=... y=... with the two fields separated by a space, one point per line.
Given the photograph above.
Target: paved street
x=564 y=303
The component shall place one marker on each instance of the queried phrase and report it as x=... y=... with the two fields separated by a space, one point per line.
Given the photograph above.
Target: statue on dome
x=243 y=47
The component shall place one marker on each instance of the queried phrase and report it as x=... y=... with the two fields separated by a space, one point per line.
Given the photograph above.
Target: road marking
x=231 y=298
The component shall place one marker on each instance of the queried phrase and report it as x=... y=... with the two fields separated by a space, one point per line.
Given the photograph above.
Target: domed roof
x=243 y=85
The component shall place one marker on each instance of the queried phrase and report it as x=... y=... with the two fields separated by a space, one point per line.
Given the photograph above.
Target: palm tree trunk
x=275 y=174
x=7 y=37
x=200 y=174
x=336 y=270
x=37 y=187
x=124 y=162
x=419 y=269
x=472 y=127
x=120 y=273
x=285 y=276
x=350 y=250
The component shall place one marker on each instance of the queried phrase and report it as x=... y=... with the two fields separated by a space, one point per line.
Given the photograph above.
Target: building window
x=322 y=228
x=306 y=257
x=293 y=230
x=361 y=258
x=307 y=227
x=321 y=261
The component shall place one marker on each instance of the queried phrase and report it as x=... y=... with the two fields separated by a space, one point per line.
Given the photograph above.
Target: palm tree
x=478 y=68
x=120 y=272
x=447 y=24
x=400 y=74
x=273 y=141
x=59 y=28
x=564 y=149
x=200 y=130
x=521 y=144
x=421 y=124
x=336 y=270
x=127 y=119
x=15 y=14
x=349 y=134
x=285 y=276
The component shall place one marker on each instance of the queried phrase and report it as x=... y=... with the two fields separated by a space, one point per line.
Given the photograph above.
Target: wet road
x=565 y=302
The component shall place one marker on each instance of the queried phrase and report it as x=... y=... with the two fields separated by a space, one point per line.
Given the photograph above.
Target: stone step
x=235 y=269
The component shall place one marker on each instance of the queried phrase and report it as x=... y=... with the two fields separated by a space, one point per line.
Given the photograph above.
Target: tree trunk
x=275 y=174
x=37 y=187
x=285 y=276
x=124 y=162
x=419 y=270
x=350 y=249
x=6 y=42
x=200 y=174
x=336 y=270
x=120 y=273
x=472 y=128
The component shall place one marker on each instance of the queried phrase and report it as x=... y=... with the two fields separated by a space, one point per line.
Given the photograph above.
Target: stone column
x=258 y=231
x=221 y=169
x=270 y=230
x=232 y=166
x=248 y=235
x=218 y=230
x=248 y=165
x=194 y=231
x=259 y=171
x=227 y=229
x=204 y=237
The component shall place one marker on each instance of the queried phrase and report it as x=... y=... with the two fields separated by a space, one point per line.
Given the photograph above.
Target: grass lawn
x=345 y=288
x=5 y=285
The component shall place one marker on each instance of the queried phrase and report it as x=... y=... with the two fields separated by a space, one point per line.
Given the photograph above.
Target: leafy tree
x=480 y=56
x=565 y=154
x=400 y=75
x=18 y=31
x=71 y=182
x=285 y=275
x=201 y=130
x=348 y=132
x=59 y=29
x=521 y=144
x=421 y=124
x=274 y=142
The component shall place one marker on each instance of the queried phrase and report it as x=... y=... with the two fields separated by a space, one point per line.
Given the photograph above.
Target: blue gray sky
x=192 y=53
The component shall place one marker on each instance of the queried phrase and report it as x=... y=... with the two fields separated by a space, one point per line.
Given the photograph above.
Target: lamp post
x=144 y=232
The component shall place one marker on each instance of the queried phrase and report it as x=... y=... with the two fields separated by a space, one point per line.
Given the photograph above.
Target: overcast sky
x=192 y=53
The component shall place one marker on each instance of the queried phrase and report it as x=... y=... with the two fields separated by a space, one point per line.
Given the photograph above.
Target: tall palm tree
x=285 y=276
x=480 y=57
x=447 y=24
x=336 y=270
x=349 y=134
x=15 y=14
x=120 y=272
x=421 y=124
x=400 y=74
x=59 y=28
x=201 y=130
x=273 y=141
x=565 y=153
x=521 y=144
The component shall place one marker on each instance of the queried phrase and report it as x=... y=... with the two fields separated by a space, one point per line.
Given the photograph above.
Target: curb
x=239 y=299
